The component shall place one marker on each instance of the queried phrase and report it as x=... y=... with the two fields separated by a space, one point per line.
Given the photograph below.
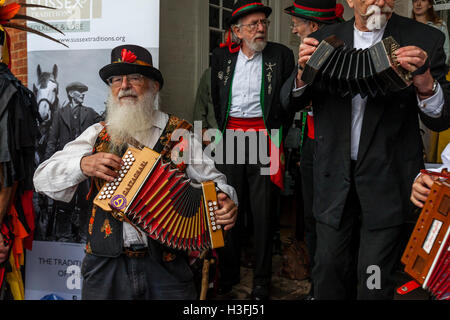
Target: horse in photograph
x=46 y=93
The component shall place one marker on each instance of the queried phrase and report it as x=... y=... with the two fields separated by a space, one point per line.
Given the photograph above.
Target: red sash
x=257 y=124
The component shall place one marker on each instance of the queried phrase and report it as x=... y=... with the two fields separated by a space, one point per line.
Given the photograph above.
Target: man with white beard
x=121 y=263
x=368 y=152
x=246 y=79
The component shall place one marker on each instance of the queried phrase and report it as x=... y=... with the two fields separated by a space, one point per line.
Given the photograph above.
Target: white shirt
x=246 y=87
x=432 y=106
x=59 y=176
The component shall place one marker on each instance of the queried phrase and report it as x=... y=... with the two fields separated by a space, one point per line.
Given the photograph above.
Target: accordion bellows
x=369 y=72
x=427 y=255
x=163 y=203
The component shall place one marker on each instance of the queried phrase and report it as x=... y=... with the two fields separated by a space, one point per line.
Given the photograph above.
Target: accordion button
x=125 y=171
x=129 y=152
x=105 y=189
x=127 y=156
x=215 y=203
x=122 y=175
x=219 y=227
x=120 y=179
x=128 y=167
x=109 y=196
x=114 y=188
x=117 y=183
x=123 y=168
x=216 y=208
x=213 y=223
x=214 y=228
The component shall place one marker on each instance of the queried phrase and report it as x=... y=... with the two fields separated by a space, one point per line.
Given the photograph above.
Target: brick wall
x=19 y=51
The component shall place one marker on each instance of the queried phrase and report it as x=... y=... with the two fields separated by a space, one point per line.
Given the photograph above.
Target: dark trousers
x=345 y=257
x=260 y=193
x=306 y=173
x=125 y=278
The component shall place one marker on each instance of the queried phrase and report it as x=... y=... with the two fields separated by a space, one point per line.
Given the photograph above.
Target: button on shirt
x=246 y=88
x=59 y=176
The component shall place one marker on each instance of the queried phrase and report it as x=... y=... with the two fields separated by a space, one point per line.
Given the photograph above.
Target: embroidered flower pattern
x=106 y=228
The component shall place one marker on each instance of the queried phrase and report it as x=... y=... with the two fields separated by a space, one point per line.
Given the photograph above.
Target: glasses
x=134 y=79
x=253 y=26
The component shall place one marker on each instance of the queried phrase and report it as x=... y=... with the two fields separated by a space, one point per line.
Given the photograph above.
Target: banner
x=69 y=91
x=53 y=271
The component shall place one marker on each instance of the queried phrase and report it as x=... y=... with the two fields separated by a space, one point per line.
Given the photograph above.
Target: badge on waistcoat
x=270 y=69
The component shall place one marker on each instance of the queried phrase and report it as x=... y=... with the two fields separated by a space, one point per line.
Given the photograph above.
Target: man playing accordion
x=121 y=262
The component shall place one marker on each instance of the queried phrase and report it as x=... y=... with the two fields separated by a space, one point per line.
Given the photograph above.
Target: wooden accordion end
x=163 y=203
x=369 y=72
x=427 y=258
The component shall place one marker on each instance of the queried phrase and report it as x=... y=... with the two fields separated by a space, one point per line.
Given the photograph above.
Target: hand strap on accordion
x=119 y=216
x=444 y=174
x=422 y=69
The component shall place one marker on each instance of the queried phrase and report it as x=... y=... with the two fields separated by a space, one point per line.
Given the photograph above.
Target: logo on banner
x=72 y=15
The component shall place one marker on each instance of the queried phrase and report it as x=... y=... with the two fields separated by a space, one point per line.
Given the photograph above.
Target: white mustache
x=127 y=93
x=373 y=9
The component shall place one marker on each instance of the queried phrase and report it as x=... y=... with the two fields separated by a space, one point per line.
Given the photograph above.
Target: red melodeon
x=163 y=203
x=427 y=256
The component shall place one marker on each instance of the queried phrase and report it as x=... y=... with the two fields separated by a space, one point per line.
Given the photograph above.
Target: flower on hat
x=128 y=56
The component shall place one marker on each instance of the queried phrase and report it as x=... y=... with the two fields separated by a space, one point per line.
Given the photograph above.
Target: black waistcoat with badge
x=105 y=233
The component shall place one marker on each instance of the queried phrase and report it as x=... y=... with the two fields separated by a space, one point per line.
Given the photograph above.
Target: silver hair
x=234 y=37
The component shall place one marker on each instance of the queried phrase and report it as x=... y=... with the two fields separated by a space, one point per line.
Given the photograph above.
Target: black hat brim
x=291 y=11
x=232 y=20
x=122 y=68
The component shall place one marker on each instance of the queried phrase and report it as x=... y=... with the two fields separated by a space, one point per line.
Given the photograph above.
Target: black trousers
x=261 y=195
x=306 y=174
x=350 y=260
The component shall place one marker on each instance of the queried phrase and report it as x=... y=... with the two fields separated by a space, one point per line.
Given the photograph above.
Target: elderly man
x=368 y=152
x=246 y=79
x=307 y=17
x=69 y=122
x=121 y=262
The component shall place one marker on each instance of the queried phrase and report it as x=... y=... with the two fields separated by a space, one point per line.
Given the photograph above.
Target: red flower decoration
x=128 y=56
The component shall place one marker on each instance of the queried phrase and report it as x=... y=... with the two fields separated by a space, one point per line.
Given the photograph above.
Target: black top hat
x=129 y=59
x=245 y=7
x=78 y=86
x=322 y=11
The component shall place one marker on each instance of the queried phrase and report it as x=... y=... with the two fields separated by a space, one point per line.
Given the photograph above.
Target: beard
x=127 y=120
x=378 y=17
x=257 y=46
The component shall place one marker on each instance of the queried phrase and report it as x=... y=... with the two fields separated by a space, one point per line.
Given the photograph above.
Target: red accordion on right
x=427 y=256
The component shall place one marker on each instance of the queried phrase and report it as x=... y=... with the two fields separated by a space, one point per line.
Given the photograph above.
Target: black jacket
x=278 y=62
x=61 y=131
x=390 y=151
